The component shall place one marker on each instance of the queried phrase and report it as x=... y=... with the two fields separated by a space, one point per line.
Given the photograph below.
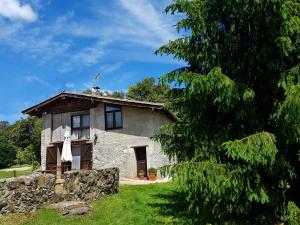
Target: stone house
x=105 y=132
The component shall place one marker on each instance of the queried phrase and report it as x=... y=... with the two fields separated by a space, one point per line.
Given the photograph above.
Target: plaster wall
x=113 y=148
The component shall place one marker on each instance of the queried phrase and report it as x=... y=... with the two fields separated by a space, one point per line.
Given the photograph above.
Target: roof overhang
x=86 y=101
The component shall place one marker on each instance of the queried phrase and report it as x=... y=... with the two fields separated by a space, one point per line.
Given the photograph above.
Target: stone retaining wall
x=26 y=193
x=90 y=185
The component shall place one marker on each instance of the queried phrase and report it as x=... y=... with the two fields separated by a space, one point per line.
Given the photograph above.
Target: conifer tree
x=237 y=144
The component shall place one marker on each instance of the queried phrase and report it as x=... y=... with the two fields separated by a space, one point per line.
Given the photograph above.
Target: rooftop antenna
x=95 y=82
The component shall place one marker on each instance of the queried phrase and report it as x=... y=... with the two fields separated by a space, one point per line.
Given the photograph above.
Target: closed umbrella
x=66 y=154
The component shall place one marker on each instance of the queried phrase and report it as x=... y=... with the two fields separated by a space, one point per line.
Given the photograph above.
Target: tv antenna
x=95 y=82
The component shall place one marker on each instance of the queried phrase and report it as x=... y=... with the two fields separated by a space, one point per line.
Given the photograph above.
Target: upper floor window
x=113 y=117
x=81 y=127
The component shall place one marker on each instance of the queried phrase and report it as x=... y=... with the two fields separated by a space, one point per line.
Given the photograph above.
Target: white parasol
x=66 y=154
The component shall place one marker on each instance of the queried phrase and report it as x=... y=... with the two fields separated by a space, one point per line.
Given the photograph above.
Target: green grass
x=9 y=174
x=148 y=204
x=133 y=205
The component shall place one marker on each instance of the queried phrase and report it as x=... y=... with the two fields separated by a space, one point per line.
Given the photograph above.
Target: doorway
x=75 y=158
x=141 y=160
x=51 y=160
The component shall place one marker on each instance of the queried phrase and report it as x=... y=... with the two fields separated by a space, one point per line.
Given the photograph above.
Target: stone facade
x=115 y=148
x=27 y=193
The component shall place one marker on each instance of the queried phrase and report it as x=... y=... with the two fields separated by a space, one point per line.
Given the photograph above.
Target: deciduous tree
x=149 y=90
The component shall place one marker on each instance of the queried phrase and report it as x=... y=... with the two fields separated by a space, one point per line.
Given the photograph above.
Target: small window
x=113 y=117
x=80 y=127
x=76 y=121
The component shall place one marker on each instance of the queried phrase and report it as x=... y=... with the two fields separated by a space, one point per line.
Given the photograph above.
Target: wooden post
x=14 y=172
x=58 y=165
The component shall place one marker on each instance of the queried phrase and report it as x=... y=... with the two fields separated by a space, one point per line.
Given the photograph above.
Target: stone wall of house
x=90 y=185
x=27 y=193
x=116 y=148
x=45 y=137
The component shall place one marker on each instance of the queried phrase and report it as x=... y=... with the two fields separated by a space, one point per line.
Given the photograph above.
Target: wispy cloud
x=87 y=56
x=137 y=27
x=32 y=42
x=110 y=68
x=149 y=17
x=70 y=85
x=13 y=10
x=36 y=79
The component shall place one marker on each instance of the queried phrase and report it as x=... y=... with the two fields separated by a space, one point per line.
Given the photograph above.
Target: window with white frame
x=81 y=127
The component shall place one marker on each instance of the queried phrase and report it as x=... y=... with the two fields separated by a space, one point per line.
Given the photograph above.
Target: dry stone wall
x=27 y=193
x=90 y=185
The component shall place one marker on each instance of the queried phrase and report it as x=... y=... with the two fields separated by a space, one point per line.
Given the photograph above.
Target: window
x=80 y=127
x=113 y=117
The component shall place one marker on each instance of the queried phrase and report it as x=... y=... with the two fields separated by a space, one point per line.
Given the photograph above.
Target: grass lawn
x=8 y=174
x=148 y=204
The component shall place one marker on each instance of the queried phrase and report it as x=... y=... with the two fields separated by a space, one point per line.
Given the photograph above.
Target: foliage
x=238 y=141
x=115 y=94
x=149 y=90
x=35 y=165
x=293 y=215
x=3 y=125
x=24 y=156
x=152 y=170
x=7 y=155
x=25 y=137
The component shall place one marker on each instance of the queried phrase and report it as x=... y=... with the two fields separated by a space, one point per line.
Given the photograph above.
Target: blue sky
x=47 y=46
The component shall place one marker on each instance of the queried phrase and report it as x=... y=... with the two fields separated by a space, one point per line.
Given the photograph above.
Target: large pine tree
x=237 y=144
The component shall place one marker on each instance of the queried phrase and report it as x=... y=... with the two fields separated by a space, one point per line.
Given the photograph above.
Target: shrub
x=35 y=165
x=152 y=170
x=7 y=155
x=293 y=214
x=25 y=156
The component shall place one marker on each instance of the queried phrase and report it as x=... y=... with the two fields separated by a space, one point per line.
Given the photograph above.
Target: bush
x=35 y=165
x=152 y=170
x=293 y=214
x=25 y=156
x=7 y=155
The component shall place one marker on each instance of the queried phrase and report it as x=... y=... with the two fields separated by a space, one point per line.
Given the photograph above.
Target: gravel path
x=16 y=169
x=128 y=181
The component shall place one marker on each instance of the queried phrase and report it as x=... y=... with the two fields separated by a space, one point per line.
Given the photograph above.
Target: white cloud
x=110 y=68
x=87 y=56
x=70 y=85
x=36 y=79
x=145 y=13
x=32 y=42
x=122 y=31
x=13 y=10
x=130 y=22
